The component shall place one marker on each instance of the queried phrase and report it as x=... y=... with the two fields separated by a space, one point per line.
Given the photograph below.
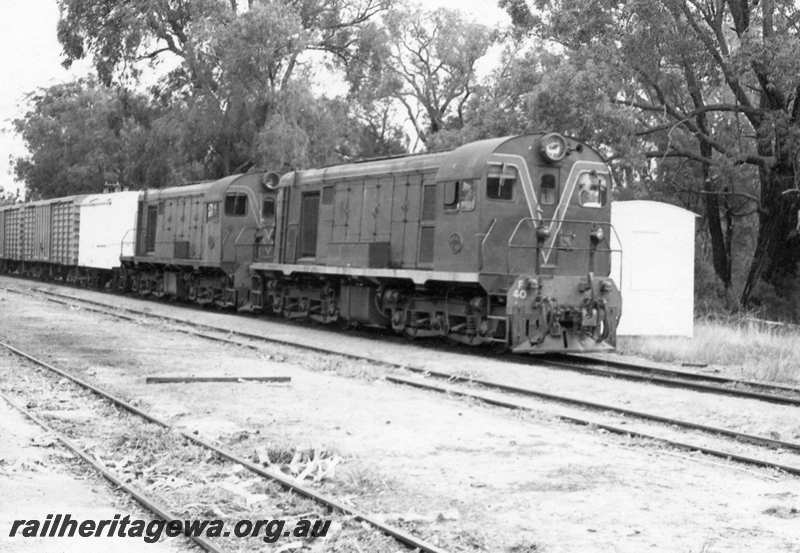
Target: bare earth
x=466 y=476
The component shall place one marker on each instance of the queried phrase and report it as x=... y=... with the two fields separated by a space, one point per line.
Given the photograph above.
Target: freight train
x=500 y=241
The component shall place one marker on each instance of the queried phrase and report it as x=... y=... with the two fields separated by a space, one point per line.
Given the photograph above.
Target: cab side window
x=500 y=182
x=236 y=205
x=451 y=195
x=212 y=211
x=593 y=189
x=459 y=195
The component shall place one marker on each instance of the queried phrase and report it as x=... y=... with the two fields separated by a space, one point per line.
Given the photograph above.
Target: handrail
x=483 y=243
x=122 y=241
x=549 y=222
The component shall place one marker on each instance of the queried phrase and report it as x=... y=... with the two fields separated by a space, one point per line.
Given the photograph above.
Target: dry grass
x=739 y=348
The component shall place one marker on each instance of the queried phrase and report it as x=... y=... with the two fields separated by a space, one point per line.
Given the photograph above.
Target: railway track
x=675 y=378
x=238 y=338
x=150 y=504
x=35 y=408
x=619 y=429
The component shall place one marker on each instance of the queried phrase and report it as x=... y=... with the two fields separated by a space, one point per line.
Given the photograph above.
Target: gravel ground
x=470 y=476
x=38 y=477
x=190 y=481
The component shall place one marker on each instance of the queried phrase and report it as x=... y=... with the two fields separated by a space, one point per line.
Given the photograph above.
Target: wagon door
x=427 y=225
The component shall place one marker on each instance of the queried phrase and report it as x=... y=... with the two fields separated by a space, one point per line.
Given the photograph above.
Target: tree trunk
x=777 y=247
x=719 y=249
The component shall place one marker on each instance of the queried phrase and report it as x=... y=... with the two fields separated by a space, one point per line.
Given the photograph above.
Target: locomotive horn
x=270 y=180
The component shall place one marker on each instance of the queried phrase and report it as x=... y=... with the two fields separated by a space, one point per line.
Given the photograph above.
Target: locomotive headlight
x=270 y=180
x=553 y=147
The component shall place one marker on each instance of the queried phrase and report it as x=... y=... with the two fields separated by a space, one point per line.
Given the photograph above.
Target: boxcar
x=42 y=237
x=107 y=229
x=72 y=239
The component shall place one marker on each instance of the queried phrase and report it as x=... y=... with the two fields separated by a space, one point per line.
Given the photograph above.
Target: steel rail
x=147 y=502
x=227 y=331
x=530 y=392
x=739 y=436
x=607 y=427
x=688 y=380
x=398 y=533
x=579 y=365
x=672 y=371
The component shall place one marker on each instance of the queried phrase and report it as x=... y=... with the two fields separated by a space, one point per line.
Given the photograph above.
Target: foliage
x=7 y=198
x=714 y=84
x=81 y=136
x=427 y=65
x=235 y=69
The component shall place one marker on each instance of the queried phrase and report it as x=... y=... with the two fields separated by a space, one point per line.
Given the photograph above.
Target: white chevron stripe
x=563 y=203
x=529 y=190
x=521 y=166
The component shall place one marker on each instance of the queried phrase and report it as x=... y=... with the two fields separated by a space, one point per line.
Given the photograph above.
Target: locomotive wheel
x=277 y=304
x=399 y=320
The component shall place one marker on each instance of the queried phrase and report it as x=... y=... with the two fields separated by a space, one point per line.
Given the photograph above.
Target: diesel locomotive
x=501 y=241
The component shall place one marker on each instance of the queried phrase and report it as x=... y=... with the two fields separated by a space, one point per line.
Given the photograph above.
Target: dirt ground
x=38 y=476
x=750 y=416
x=466 y=476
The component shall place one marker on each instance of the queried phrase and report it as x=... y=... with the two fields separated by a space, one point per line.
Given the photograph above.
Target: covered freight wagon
x=10 y=233
x=107 y=229
x=74 y=239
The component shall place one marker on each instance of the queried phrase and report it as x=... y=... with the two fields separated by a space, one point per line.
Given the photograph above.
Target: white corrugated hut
x=656 y=268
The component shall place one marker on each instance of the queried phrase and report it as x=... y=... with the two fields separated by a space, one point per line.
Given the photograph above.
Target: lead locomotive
x=497 y=241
